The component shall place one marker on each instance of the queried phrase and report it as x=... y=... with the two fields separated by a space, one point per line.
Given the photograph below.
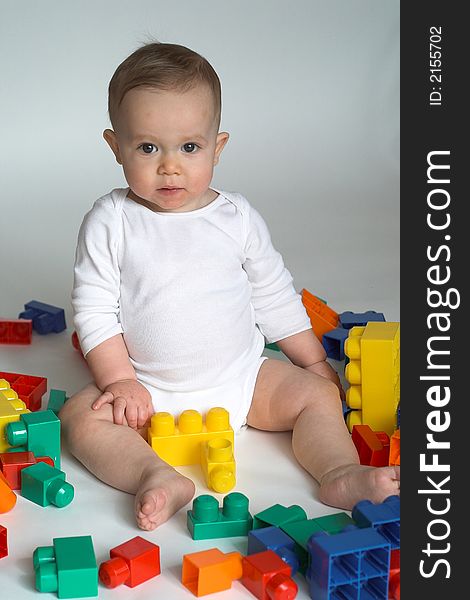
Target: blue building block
x=273 y=538
x=352 y=565
x=350 y=319
x=46 y=318
x=333 y=342
x=384 y=517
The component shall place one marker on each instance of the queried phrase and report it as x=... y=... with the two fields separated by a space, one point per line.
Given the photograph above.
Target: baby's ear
x=222 y=139
x=111 y=139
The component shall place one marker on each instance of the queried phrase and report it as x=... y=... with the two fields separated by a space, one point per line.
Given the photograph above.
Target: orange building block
x=373 y=447
x=7 y=496
x=395 y=448
x=322 y=317
x=210 y=571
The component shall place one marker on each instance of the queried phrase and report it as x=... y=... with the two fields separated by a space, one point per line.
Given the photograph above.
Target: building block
x=351 y=564
x=322 y=317
x=11 y=409
x=350 y=319
x=29 y=388
x=39 y=432
x=268 y=577
x=57 y=399
x=394 y=458
x=273 y=346
x=45 y=485
x=17 y=331
x=373 y=373
x=210 y=571
x=373 y=447
x=3 y=542
x=333 y=342
x=68 y=567
x=394 y=575
x=131 y=563
x=207 y=520
x=11 y=464
x=278 y=515
x=7 y=495
x=384 y=517
x=301 y=531
x=46 y=318
x=273 y=538
x=218 y=465
x=76 y=342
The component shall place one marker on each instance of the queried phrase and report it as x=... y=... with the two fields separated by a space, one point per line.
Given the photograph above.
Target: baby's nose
x=168 y=165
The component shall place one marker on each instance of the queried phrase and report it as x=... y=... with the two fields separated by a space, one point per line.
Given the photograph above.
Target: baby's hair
x=163 y=67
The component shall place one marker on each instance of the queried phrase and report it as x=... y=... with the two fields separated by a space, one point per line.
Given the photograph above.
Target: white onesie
x=194 y=294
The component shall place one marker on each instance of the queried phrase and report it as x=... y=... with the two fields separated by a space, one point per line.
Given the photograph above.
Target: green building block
x=278 y=515
x=45 y=485
x=207 y=521
x=68 y=567
x=57 y=399
x=273 y=346
x=39 y=432
x=301 y=531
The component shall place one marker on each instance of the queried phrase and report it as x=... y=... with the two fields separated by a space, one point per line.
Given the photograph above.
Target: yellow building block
x=11 y=407
x=373 y=373
x=218 y=465
x=180 y=444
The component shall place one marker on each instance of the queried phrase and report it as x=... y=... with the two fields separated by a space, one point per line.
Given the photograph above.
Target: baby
x=177 y=287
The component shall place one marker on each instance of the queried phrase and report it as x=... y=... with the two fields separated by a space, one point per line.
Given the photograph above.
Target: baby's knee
x=76 y=415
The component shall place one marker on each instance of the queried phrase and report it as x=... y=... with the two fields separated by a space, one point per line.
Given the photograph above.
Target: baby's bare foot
x=162 y=492
x=346 y=486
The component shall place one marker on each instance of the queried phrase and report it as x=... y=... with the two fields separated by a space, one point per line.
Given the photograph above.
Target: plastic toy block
x=18 y=331
x=394 y=575
x=11 y=409
x=278 y=515
x=7 y=496
x=45 y=485
x=181 y=445
x=218 y=465
x=207 y=521
x=68 y=567
x=394 y=458
x=333 y=342
x=46 y=318
x=272 y=346
x=76 y=342
x=351 y=564
x=29 y=388
x=57 y=399
x=373 y=447
x=322 y=317
x=273 y=538
x=374 y=375
x=39 y=432
x=12 y=463
x=3 y=542
x=210 y=571
x=301 y=531
x=350 y=319
x=131 y=563
x=384 y=517
x=268 y=577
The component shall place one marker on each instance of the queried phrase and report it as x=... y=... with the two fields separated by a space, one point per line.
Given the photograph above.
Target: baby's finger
x=132 y=416
x=119 y=408
x=105 y=398
x=143 y=416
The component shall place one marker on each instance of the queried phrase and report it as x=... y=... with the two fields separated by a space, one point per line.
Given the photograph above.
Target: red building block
x=12 y=463
x=268 y=577
x=394 y=579
x=16 y=331
x=3 y=542
x=131 y=563
x=29 y=388
x=373 y=447
x=76 y=342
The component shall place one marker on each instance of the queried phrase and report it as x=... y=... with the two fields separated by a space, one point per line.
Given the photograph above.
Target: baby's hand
x=131 y=402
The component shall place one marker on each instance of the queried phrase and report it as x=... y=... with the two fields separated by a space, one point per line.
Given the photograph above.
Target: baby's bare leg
x=119 y=456
x=287 y=397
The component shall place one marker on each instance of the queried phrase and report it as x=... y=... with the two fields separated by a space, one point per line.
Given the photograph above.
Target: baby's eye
x=148 y=148
x=190 y=147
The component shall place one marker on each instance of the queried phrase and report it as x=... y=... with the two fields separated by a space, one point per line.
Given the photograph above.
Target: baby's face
x=168 y=145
